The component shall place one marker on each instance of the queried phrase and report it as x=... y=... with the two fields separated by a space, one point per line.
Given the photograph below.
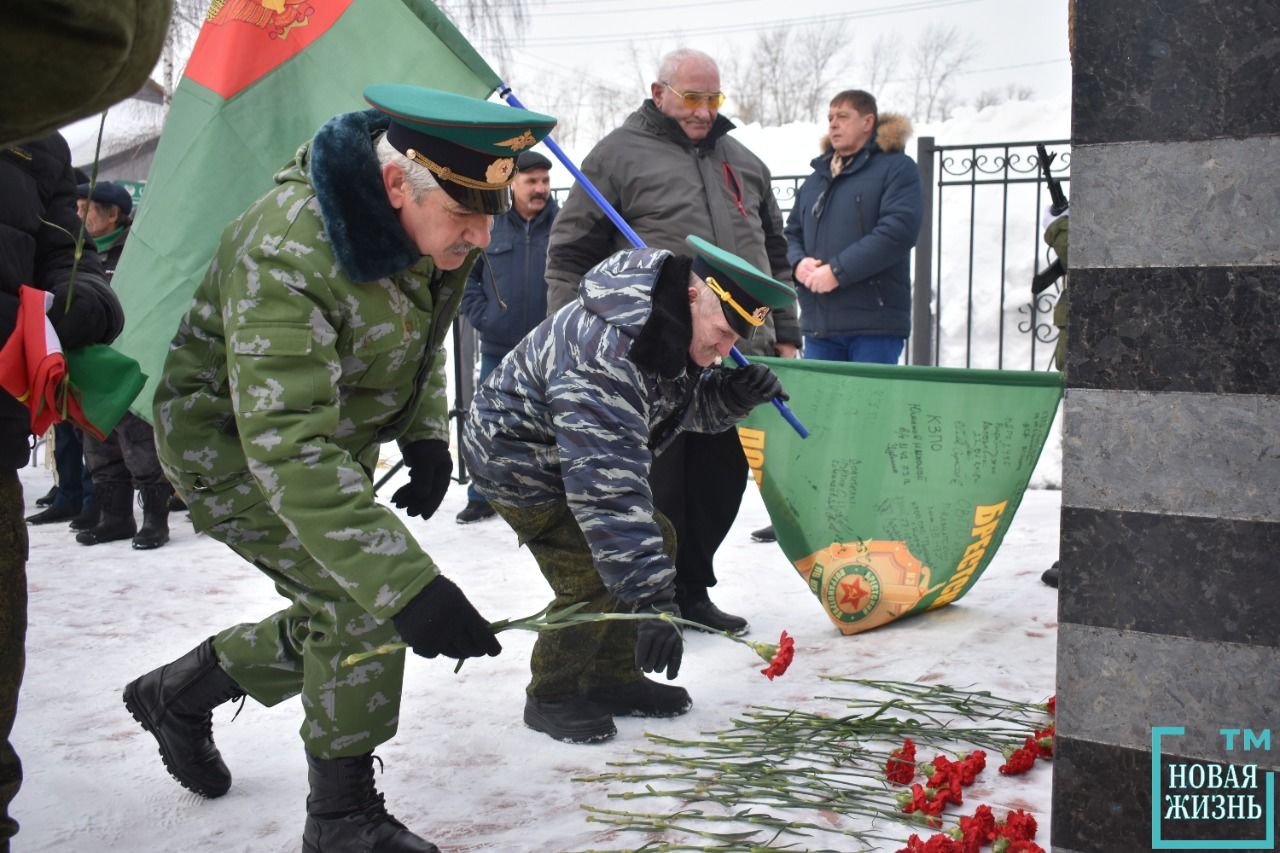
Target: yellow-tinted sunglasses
x=693 y=100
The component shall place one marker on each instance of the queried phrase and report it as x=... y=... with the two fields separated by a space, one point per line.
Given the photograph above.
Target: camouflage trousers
x=13 y=632
x=348 y=710
x=568 y=661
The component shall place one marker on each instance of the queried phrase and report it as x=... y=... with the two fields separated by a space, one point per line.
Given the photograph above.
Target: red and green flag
x=263 y=76
x=92 y=386
x=909 y=480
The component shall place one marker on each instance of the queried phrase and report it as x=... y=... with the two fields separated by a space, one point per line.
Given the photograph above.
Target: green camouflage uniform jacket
x=314 y=338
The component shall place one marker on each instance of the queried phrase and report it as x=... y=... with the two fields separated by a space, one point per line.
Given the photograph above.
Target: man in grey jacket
x=672 y=170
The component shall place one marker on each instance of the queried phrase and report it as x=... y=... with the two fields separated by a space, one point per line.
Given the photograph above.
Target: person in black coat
x=506 y=293
x=38 y=228
x=127 y=458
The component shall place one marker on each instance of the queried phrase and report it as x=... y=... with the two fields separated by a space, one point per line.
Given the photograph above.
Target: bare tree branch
x=938 y=55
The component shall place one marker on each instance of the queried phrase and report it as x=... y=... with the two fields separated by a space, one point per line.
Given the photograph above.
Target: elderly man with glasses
x=671 y=170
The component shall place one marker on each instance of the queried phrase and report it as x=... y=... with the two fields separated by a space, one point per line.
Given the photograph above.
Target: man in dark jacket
x=850 y=235
x=849 y=239
x=127 y=458
x=673 y=170
x=506 y=293
x=38 y=228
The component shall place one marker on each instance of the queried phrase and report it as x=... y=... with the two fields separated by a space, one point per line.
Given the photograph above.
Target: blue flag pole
x=505 y=92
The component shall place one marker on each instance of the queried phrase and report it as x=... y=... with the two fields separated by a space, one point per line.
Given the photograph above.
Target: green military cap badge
x=468 y=144
x=746 y=294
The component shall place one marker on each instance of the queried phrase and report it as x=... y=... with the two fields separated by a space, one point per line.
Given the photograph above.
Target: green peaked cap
x=469 y=145
x=746 y=294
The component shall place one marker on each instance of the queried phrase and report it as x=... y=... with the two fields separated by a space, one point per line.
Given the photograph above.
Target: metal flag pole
x=505 y=92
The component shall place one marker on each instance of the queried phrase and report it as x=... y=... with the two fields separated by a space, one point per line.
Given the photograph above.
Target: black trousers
x=698 y=483
x=13 y=631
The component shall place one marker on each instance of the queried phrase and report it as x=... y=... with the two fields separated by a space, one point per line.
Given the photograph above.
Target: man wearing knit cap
x=314 y=338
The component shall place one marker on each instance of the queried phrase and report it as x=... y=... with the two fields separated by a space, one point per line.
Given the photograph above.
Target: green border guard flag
x=901 y=495
x=262 y=78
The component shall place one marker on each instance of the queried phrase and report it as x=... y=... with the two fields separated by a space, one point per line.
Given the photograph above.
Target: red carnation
x=1018 y=826
x=981 y=827
x=1019 y=761
x=901 y=766
x=1044 y=741
x=973 y=764
x=779 y=656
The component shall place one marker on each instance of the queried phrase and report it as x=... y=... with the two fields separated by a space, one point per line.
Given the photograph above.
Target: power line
x=726 y=29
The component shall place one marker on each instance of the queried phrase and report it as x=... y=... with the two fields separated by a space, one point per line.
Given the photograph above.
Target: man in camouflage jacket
x=560 y=439
x=314 y=338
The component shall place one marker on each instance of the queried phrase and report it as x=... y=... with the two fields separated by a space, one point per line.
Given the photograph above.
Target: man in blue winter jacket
x=850 y=236
x=506 y=293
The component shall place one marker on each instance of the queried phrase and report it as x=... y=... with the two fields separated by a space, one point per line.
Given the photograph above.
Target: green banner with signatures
x=900 y=496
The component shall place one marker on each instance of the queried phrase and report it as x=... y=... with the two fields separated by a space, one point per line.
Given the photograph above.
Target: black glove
x=430 y=467
x=659 y=644
x=94 y=315
x=441 y=621
x=748 y=387
x=8 y=315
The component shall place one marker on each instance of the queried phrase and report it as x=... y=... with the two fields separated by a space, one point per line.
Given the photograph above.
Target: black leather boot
x=572 y=719
x=346 y=814
x=642 y=697
x=175 y=703
x=88 y=517
x=115 y=502
x=155 y=517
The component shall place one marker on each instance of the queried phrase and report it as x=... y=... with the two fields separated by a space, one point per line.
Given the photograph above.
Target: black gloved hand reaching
x=748 y=387
x=659 y=644
x=440 y=620
x=430 y=467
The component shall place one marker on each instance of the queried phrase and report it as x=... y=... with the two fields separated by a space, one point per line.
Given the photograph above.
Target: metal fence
x=979 y=247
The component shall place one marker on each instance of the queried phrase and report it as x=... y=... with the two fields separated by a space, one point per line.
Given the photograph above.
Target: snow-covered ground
x=463 y=771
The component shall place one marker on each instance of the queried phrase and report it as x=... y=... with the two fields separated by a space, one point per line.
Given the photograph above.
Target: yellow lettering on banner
x=985 y=520
x=753 y=446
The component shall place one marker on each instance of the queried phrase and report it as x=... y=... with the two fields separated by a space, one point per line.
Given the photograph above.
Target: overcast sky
x=1022 y=42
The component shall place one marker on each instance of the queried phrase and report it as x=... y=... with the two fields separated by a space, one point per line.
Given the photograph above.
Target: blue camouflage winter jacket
x=575 y=411
x=864 y=223
x=506 y=293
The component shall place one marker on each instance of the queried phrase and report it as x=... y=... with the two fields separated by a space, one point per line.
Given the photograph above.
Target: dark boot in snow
x=640 y=698
x=572 y=719
x=155 y=517
x=175 y=703
x=346 y=814
x=88 y=517
x=115 y=502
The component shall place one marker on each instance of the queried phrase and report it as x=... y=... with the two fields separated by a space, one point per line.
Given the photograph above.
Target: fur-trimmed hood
x=341 y=166
x=892 y=132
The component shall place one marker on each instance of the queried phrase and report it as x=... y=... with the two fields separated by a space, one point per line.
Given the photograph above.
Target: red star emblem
x=854 y=593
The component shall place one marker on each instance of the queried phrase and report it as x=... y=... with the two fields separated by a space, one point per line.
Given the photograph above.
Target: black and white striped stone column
x=1169 y=606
